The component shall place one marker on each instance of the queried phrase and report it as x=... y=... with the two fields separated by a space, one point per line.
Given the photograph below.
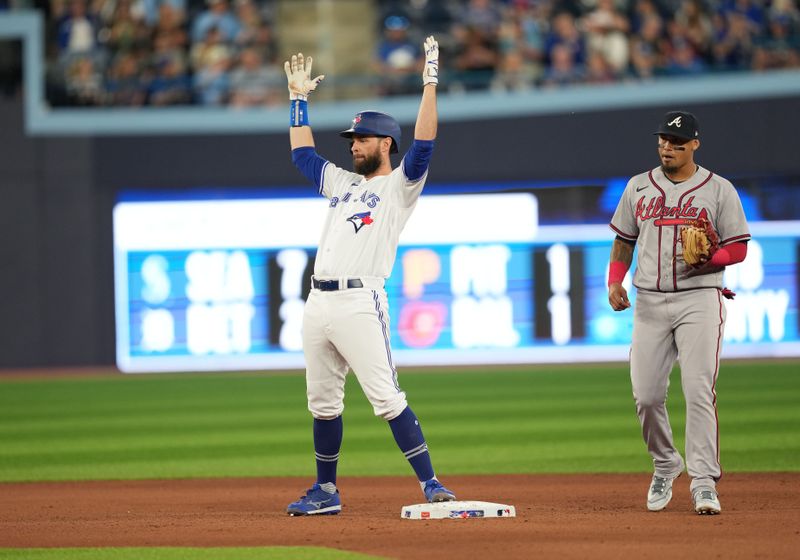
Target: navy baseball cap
x=680 y=124
x=374 y=123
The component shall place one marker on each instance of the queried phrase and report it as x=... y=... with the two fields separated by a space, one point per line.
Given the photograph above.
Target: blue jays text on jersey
x=368 y=198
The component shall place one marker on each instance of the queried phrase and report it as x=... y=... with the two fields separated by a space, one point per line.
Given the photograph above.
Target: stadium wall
x=58 y=193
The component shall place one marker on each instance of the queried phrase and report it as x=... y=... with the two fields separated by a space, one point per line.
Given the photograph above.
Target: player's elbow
x=417 y=159
x=302 y=156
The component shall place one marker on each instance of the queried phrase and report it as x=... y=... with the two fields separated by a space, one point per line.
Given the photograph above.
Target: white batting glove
x=430 y=74
x=298 y=72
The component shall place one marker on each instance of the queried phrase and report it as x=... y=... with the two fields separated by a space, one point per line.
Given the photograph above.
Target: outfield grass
x=164 y=553
x=558 y=419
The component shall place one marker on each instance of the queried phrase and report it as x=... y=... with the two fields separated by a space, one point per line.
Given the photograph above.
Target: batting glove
x=430 y=74
x=298 y=72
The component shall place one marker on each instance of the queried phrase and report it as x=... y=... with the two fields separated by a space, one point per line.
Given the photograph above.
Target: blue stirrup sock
x=408 y=435
x=327 y=442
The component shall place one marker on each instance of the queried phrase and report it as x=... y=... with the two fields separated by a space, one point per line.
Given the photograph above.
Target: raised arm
x=301 y=137
x=304 y=156
x=416 y=160
x=298 y=74
x=427 y=118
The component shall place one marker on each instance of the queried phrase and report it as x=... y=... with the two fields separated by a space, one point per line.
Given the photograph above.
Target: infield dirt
x=564 y=516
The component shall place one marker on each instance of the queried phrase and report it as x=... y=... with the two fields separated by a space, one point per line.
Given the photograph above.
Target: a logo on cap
x=357 y=120
x=675 y=122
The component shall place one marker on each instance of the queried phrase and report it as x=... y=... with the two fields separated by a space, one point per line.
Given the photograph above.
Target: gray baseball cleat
x=660 y=493
x=706 y=500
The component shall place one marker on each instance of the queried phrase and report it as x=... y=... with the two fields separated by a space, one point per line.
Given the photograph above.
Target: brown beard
x=368 y=165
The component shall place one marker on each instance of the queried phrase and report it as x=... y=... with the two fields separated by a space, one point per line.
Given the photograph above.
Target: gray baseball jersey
x=675 y=316
x=652 y=212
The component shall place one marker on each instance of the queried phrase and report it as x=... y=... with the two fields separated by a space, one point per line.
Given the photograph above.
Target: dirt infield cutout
x=565 y=516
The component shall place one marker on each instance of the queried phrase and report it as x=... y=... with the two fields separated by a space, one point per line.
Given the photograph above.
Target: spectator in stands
x=219 y=16
x=254 y=83
x=733 y=47
x=683 y=60
x=211 y=78
x=481 y=17
x=692 y=17
x=565 y=32
x=643 y=10
x=512 y=72
x=437 y=19
x=171 y=85
x=153 y=10
x=648 y=48
x=564 y=69
x=534 y=19
x=212 y=49
x=475 y=61
x=752 y=11
x=125 y=85
x=502 y=44
x=779 y=48
x=521 y=37
x=77 y=30
x=511 y=75
x=170 y=31
x=125 y=31
x=84 y=83
x=397 y=59
x=255 y=31
x=787 y=9
x=166 y=51
x=607 y=34
x=598 y=70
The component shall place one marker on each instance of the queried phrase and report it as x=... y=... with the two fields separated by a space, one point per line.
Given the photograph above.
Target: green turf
x=553 y=419
x=162 y=553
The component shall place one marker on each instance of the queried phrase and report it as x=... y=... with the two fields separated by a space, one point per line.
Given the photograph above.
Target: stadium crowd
x=225 y=52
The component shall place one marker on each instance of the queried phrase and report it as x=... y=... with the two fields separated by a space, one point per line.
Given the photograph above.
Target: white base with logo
x=457 y=510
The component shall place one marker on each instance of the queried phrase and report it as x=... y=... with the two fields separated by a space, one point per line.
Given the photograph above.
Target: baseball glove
x=699 y=241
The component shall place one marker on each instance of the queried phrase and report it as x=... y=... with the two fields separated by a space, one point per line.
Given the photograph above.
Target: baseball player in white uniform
x=346 y=319
x=679 y=311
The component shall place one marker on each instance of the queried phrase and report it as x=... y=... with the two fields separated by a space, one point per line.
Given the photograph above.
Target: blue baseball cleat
x=316 y=502
x=435 y=492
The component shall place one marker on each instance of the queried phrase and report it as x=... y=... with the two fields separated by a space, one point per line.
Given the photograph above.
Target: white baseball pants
x=346 y=329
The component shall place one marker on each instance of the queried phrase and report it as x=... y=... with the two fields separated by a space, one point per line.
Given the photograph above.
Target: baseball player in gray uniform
x=679 y=309
x=346 y=318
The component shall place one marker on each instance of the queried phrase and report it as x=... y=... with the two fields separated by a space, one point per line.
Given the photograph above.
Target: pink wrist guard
x=616 y=272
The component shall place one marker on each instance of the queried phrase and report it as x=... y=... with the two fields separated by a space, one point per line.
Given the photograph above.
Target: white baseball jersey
x=652 y=212
x=350 y=328
x=364 y=222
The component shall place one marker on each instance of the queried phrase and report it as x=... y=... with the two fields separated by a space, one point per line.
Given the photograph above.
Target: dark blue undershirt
x=415 y=161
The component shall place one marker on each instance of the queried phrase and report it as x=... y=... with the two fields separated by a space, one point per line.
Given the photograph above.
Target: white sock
x=328 y=487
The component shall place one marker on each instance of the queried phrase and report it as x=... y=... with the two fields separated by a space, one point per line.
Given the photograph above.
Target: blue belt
x=333 y=285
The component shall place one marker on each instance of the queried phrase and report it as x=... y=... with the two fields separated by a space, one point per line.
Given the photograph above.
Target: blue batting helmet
x=373 y=123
